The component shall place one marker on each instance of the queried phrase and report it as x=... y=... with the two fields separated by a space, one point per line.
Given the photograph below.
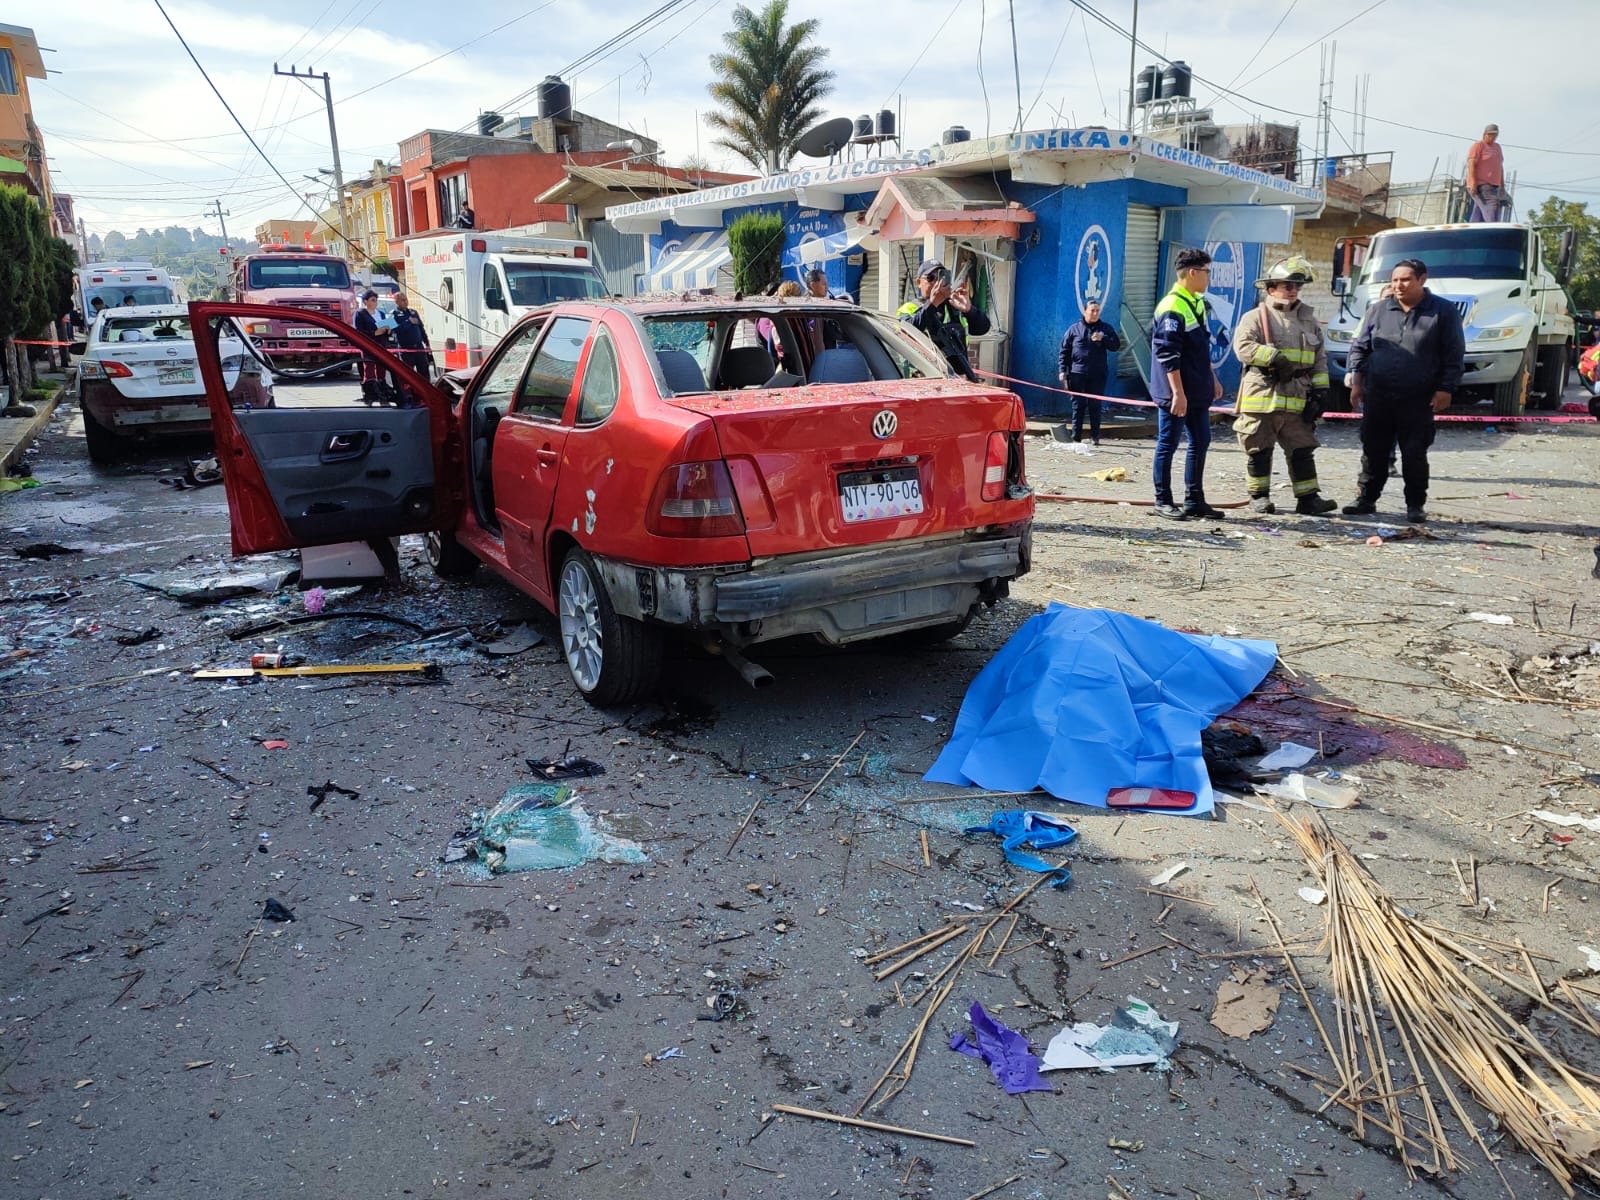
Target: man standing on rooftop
x=1486 y=176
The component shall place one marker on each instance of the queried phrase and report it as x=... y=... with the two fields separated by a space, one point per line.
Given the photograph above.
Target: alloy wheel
x=581 y=637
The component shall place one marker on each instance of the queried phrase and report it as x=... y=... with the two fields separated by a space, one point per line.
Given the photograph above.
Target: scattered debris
x=1136 y=1037
x=140 y=638
x=1567 y=820
x=722 y=1005
x=274 y=744
x=315 y=600
x=426 y=670
x=44 y=550
x=1593 y=958
x=1415 y=1025
x=1246 y=1003
x=1169 y=874
x=541 y=827
x=818 y=1115
x=273 y=910
x=1022 y=827
x=214 y=588
x=1133 y=1147
x=1490 y=618
x=1290 y=756
x=1327 y=790
x=1108 y=475
x=513 y=641
x=1081 y=701
x=568 y=766
x=1014 y=1065
x=320 y=792
x=1313 y=895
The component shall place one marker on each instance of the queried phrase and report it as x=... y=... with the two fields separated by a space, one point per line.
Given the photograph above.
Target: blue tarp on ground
x=1082 y=701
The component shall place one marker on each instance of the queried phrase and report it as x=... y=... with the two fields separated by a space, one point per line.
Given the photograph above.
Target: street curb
x=18 y=433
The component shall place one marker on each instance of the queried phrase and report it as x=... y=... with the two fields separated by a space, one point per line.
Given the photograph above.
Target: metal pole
x=1016 y=67
x=1133 y=46
x=333 y=137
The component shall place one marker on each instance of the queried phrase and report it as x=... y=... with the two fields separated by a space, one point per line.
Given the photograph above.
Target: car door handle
x=548 y=457
x=341 y=447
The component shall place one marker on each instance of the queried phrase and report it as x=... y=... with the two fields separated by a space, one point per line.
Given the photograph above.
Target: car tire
x=104 y=446
x=1511 y=397
x=612 y=659
x=448 y=557
x=929 y=635
x=1551 y=378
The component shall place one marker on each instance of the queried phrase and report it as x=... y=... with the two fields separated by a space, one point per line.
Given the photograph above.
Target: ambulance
x=123 y=285
x=472 y=286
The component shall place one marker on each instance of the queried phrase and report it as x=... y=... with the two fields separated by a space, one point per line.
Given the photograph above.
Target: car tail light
x=580 y=252
x=89 y=369
x=479 y=245
x=994 y=467
x=116 y=370
x=695 y=500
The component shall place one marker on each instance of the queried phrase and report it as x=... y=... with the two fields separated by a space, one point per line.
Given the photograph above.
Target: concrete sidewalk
x=18 y=433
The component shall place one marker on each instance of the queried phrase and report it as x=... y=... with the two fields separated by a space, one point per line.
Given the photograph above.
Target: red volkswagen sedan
x=738 y=471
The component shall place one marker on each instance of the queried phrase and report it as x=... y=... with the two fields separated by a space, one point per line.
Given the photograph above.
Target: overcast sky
x=134 y=133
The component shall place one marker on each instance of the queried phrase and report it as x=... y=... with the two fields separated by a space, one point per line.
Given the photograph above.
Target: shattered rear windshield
x=725 y=350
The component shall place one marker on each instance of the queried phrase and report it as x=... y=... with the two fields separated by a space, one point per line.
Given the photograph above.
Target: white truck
x=124 y=284
x=472 y=286
x=1515 y=311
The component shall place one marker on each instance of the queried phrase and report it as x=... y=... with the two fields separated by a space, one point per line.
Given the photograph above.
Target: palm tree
x=768 y=84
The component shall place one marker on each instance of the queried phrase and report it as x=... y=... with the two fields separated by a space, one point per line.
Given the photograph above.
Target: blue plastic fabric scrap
x=1015 y=1067
x=1023 y=827
x=1081 y=701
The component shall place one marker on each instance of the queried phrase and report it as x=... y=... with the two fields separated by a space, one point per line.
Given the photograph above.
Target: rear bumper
x=841 y=597
x=168 y=414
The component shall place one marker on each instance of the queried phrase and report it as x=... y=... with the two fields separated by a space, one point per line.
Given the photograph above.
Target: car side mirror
x=494 y=299
x=1569 y=248
x=1341 y=285
x=78 y=347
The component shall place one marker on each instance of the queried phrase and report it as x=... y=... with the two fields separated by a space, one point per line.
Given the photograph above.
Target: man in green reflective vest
x=1184 y=387
x=947 y=315
x=1284 y=388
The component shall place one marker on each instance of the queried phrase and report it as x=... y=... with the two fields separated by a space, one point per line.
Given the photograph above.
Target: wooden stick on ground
x=818 y=1115
x=843 y=754
x=993 y=1188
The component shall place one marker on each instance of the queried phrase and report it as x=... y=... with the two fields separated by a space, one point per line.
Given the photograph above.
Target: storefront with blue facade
x=1089 y=215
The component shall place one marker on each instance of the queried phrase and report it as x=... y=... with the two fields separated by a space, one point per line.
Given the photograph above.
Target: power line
x=1259 y=49
x=922 y=53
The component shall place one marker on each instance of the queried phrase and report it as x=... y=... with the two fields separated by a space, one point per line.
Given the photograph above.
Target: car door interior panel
x=342 y=473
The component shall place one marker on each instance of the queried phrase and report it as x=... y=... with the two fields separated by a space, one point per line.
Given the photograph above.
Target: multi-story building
x=22 y=154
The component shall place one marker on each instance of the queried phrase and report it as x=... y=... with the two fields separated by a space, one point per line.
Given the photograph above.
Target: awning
x=820 y=249
x=690 y=265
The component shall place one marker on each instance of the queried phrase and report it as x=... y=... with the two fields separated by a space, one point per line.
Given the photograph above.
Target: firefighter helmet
x=1293 y=269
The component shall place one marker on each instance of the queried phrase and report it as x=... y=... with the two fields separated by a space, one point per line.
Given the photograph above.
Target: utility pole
x=1133 y=46
x=216 y=210
x=333 y=136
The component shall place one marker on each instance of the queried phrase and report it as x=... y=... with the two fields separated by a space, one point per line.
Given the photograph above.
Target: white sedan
x=139 y=377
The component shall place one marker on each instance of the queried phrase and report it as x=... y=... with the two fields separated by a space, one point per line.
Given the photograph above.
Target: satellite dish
x=827 y=139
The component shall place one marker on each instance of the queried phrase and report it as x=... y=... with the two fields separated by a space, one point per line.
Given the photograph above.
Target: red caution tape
x=1463 y=418
x=31 y=342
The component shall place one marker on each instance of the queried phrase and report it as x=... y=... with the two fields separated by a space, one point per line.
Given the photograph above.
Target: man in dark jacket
x=410 y=337
x=1404 y=366
x=1083 y=367
x=947 y=315
x=1184 y=386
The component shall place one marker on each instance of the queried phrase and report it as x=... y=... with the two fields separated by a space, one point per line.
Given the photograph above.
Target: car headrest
x=842 y=364
x=746 y=366
x=681 y=371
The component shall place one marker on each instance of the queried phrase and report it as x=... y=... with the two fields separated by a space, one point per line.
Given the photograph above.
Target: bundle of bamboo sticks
x=1401 y=984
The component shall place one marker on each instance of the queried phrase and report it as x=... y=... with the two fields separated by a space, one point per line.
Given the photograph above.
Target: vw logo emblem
x=884 y=424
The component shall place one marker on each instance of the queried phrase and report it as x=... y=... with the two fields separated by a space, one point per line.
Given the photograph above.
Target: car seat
x=842 y=364
x=745 y=366
x=681 y=371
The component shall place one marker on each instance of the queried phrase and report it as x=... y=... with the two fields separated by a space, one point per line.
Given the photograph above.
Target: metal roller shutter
x=1141 y=270
x=867 y=289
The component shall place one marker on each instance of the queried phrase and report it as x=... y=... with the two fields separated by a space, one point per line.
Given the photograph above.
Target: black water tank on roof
x=862 y=131
x=555 y=99
x=1147 y=85
x=1176 y=80
x=488 y=122
x=883 y=124
x=956 y=133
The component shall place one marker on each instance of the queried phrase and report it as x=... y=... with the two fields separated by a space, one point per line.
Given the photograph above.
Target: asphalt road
x=421 y=1029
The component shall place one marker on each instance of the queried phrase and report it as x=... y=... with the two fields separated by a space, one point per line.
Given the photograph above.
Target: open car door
x=335 y=458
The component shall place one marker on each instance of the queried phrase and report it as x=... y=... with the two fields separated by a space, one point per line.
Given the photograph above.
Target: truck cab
x=1515 y=312
x=305 y=278
x=472 y=287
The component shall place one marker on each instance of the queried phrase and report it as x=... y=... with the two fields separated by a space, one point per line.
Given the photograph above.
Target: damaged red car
x=733 y=471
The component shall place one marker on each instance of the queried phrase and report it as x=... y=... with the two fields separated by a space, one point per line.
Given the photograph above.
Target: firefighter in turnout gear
x=1284 y=388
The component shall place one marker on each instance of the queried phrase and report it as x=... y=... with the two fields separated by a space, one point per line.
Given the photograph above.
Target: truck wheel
x=1511 y=397
x=448 y=557
x=103 y=445
x=612 y=659
x=1551 y=379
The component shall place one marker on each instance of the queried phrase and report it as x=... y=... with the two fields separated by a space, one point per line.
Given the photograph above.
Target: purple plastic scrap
x=1015 y=1067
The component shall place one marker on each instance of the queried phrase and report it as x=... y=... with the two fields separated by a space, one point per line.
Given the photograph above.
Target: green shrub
x=756 y=242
